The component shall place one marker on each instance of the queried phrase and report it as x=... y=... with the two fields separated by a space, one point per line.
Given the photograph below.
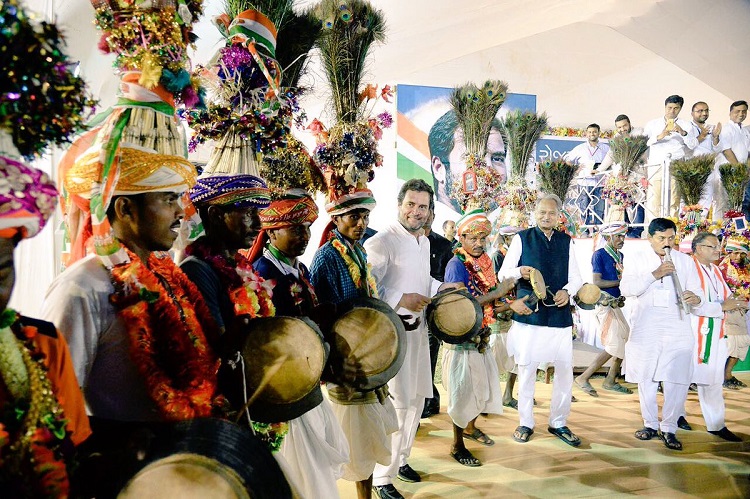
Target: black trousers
x=433 y=404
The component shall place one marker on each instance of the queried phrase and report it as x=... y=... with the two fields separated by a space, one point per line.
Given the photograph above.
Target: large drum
x=208 y=458
x=368 y=331
x=279 y=366
x=454 y=316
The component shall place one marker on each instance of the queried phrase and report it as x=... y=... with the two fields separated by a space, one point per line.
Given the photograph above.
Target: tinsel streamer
x=520 y=131
x=691 y=175
x=734 y=178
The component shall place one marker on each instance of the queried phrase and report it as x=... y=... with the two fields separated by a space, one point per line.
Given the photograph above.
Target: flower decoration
x=42 y=101
x=619 y=190
x=152 y=36
x=565 y=131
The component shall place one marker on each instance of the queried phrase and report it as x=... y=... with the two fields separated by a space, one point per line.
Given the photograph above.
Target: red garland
x=482 y=277
x=168 y=336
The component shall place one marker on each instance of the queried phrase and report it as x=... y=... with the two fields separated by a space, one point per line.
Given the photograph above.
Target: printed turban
x=354 y=201
x=240 y=191
x=736 y=244
x=27 y=199
x=614 y=229
x=293 y=209
x=140 y=171
x=474 y=222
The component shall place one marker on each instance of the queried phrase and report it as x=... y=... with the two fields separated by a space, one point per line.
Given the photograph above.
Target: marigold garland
x=354 y=270
x=33 y=450
x=737 y=277
x=482 y=279
x=168 y=323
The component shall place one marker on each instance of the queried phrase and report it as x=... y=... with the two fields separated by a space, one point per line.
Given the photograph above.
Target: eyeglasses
x=709 y=246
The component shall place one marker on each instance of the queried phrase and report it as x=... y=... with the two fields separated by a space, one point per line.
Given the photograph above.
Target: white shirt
x=587 y=156
x=401 y=264
x=77 y=302
x=706 y=146
x=673 y=144
x=736 y=138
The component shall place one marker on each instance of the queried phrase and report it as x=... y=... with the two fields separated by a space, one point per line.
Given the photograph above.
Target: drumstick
x=263 y=383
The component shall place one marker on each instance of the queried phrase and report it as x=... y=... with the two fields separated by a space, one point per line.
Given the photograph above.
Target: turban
x=614 y=229
x=348 y=202
x=240 y=191
x=293 y=209
x=27 y=199
x=736 y=244
x=474 y=222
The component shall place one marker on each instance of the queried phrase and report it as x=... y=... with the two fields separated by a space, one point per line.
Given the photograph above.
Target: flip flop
x=646 y=433
x=513 y=404
x=522 y=434
x=617 y=387
x=479 y=436
x=564 y=434
x=466 y=458
x=586 y=387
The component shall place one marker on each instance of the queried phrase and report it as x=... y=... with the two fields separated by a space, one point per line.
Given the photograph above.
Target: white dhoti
x=315 y=450
x=506 y=364
x=472 y=382
x=614 y=330
x=368 y=426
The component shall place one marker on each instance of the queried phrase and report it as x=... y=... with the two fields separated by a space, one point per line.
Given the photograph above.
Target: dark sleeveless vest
x=550 y=257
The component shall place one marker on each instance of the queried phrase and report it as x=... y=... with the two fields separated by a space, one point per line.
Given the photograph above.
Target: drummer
x=543 y=333
x=470 y=373
x=339 y=273
x=315 y=447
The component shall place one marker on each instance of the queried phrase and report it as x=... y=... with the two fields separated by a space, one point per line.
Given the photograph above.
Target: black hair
x=660 y=225
x=418 y=185
x=699 y=238
x=674 y=99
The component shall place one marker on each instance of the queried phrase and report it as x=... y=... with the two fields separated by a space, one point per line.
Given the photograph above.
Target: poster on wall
x=429 y=146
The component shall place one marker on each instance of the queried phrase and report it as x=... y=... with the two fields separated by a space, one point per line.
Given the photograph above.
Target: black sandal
x=466 y=458
x=646 y=433
x=564 y=434
x=522 y=434
x=671 y=442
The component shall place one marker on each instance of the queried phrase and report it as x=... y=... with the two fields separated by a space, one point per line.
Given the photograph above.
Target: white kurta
x=401 y=264
x=736 y=138
x=528 y=343
x=714 y=291
x=674 y=144
x=661 y=341
x=473 y=384
x=316 y=450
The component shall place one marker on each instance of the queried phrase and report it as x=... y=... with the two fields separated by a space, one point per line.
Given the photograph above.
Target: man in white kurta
x=710 y=352
x=668 y=140
x=546 y=337
x=707 y=138
x=661 y=341
x=400 y=259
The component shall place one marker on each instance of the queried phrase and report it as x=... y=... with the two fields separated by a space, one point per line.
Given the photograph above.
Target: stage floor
x=610 y=462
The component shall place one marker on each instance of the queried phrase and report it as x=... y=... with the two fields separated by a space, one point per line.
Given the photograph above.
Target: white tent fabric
x=585 y=60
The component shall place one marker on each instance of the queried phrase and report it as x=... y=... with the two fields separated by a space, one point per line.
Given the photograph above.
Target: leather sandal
x=671 y=442
x=646 y=433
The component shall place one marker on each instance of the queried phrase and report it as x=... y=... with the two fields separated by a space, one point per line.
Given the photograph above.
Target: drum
x=368 y=331
x=281 y=360
x=208 y=458
x=454 y=316
x=588 y=296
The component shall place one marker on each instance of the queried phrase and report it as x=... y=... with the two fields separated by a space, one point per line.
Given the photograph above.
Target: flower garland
x=249 y=292
x=737 y=277
x=33 y=429
x=168 y=322
x=620 y=191
x=566 y=131
x=355 y=271
x=482 y=279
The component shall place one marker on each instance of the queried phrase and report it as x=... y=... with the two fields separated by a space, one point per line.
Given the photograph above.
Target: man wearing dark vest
x=543 y=333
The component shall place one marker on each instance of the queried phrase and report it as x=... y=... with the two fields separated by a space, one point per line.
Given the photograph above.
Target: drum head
x=588 y=296
x=208 y=458
x=537 y=284
x=284 y=357
x=369 y=331
x=454 y=316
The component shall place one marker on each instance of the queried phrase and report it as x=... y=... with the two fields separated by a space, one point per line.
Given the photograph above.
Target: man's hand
x=716 y=132
x=691 y=298
x=732 y=304
x=503 y=288
x=678 y=129
x=519 y=306
x=526 y=271
x=413 y=301
x=665 y=269
x=501 y=308
x=561 y=298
